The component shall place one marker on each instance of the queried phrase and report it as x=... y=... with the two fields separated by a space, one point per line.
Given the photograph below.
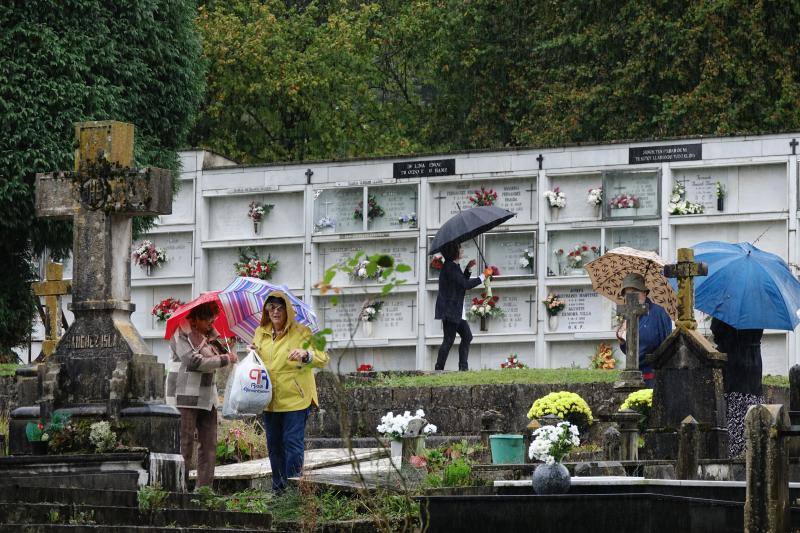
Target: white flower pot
x=554 y=213
x=256 y=226
x=396 y=448
x=368 y=330
x=552 y=322
x=148 y=270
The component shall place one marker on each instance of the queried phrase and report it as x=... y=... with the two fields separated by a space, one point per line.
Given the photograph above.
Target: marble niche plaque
x=399 y=204
x=332 y=253
x=182 y=205
x=221 y=270
x=396 y=319
x=228 y=216
x=519 y=307
x=643 y=186
x=518 y=196
x=570 y=250
x=506 y=251
x=576 y=188
x=180 y=256
x=641 y=238
x=334 y=210
x=585 y=310
x=701 y=188
x=146 y=298
x=470 y=252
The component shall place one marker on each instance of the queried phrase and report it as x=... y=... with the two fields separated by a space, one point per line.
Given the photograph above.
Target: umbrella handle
x=458 y=205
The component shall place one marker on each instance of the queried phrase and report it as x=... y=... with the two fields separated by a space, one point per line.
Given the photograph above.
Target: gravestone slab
x=644 y=186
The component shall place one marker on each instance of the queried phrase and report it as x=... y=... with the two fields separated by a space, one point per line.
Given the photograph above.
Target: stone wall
x=455 y=410
x=8 y=393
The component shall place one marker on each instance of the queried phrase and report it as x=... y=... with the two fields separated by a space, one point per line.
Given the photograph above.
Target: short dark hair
x=205 y=311
x=450 y=250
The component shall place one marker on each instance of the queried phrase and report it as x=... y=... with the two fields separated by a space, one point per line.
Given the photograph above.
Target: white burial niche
x=255 y=216
x=163 y=255
x=332 y=253
x=368 y=208
x=569 y=251
x=370 y=316
x=518 y=195
x=285 y=264
x=514 y=311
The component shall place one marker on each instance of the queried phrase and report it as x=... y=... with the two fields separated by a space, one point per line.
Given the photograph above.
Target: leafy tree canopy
x=67 y=61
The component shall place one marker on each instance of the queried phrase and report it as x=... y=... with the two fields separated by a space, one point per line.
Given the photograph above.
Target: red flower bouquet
x=483 y=197
x=164 y=309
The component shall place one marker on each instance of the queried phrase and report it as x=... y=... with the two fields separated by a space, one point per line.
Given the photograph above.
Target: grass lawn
x=501 y=377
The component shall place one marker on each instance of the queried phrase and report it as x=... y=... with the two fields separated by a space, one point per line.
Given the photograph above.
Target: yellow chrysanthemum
x=639 y=398
x=560 y=404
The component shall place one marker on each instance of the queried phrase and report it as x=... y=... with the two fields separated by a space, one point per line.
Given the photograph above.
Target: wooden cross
x=632 y=310
x=685 y=270
x=52 y=289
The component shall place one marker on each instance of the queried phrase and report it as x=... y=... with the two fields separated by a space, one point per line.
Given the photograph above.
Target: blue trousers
x=286 y=445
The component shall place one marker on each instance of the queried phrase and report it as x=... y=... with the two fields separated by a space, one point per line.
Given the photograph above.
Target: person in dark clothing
x=742 y=376
x=453 y=285
x=654 y=326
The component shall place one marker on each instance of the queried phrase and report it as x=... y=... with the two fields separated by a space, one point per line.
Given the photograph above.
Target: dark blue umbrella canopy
x=468 y=224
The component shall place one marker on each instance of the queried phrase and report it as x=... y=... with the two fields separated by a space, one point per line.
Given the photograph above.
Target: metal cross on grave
x=101 y=196
x=631 y=378
x=52 y=289
x=685 y=270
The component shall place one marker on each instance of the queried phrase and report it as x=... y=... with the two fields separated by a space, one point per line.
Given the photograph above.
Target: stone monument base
x=105 y=471
x=662 y=443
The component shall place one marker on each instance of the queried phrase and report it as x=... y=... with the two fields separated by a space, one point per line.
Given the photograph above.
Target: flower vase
x=554 y=213
x=256 y=226
x=721 y=204
x=551 y=479
x=368 y=329
x=148 y=270
x=396 y=448
x=552 y=322
x=39 y=447
x=483 y=324
x=598 y=210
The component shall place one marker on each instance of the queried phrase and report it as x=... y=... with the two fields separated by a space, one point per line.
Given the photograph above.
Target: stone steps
x=57 y=509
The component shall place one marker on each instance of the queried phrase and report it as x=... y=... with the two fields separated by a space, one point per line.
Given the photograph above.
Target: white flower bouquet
x=679 y=205
x=360 y=271
x=370 y=311
x=556 y=198
x=394 y=426
x=526 y=261
x=552 y=443
x=595 y=197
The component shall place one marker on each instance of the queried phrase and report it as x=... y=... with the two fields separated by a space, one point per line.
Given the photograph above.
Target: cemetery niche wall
x=318 y=217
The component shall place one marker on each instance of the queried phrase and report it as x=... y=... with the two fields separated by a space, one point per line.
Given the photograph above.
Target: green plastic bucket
x=507 y=449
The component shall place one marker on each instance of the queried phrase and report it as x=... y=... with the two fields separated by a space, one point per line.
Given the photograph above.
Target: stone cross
x=631 y=377
x=102 y=353
x=52 y=289
x=685 y=270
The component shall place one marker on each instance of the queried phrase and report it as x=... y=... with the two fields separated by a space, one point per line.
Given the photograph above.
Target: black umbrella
x=468 y=224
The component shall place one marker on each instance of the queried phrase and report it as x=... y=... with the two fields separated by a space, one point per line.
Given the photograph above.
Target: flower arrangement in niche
x=394 y=426
x=361 y=271
x=370 y=310
x=581 y=254
x=324 y=223
x=679 y=205
x=147 y=255
x=556 y=198
x=553 y=304
x=437 y=262
x=164 y=309
x=250 y=265
x=483 y=197
x=719 y=190
x=624 y=201
x=484 y=307
x=526 y=261
x=373 y=209
x=565 y=405
x=364 y=367
x=258 y=211
x=595 y=197
x=550 y=444
x=603 y=358
x=512 y=361
x=410 y=219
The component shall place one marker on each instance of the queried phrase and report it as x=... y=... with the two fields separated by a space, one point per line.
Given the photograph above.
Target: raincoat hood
x=290 y=313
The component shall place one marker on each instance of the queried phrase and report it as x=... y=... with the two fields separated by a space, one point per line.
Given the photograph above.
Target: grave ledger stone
x=688 y=377
x=102 y=368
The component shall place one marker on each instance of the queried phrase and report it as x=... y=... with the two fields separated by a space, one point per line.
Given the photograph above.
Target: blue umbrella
x=746 y=288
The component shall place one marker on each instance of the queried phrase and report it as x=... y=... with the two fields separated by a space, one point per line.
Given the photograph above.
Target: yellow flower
x=560 y=404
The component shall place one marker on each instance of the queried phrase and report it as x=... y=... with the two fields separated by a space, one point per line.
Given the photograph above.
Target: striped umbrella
x=243 y=303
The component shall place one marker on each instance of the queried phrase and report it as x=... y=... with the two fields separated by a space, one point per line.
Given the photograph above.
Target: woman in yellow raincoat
x=279 y=342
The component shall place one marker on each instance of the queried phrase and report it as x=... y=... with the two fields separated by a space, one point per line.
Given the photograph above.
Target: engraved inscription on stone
x=85 y=342
x=583 y=310
x=518 y=196
x=643 y=186
x=701 y=189
x=519 y=310
x=396 y=319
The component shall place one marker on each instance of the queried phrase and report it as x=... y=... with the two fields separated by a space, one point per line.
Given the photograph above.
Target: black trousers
x=450 y=329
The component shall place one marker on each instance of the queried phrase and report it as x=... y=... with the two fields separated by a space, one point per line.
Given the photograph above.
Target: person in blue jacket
x=453 y=285
x=654 y=326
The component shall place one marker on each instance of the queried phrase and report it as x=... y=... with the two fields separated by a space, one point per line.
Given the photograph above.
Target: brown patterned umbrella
x=608 y=270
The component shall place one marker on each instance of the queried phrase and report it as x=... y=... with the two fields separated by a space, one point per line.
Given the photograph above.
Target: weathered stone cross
x=685 y=270
x=52 y=289
x=101 y=196
x=630 y=379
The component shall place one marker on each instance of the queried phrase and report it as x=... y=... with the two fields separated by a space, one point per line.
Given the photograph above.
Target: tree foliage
x=67 y=61
x=462 y=74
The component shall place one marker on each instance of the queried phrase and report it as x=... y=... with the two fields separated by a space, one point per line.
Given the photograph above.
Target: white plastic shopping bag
x=249 y=389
